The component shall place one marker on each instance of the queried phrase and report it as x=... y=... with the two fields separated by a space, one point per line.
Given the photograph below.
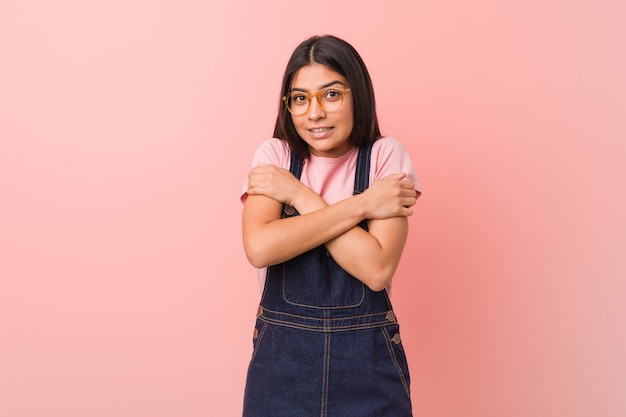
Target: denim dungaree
x=325 y=345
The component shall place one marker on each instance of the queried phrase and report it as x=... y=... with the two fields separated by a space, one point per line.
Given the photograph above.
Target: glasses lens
x=297 y=103
x=331 y=99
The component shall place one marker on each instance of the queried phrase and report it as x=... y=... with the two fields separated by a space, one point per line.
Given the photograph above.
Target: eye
x=299 y=98
x=332 y=95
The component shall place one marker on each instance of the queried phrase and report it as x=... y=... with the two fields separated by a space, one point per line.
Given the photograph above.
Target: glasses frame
x=318 y=96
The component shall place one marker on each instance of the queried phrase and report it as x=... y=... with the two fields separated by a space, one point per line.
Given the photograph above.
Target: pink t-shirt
x=333 y=178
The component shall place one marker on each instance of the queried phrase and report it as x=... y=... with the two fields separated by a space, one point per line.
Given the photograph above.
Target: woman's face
x=326 y=132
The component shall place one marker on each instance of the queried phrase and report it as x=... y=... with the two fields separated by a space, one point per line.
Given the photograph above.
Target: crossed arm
x=371 y=257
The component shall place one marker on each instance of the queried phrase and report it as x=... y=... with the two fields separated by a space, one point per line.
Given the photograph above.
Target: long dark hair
x=341 y=57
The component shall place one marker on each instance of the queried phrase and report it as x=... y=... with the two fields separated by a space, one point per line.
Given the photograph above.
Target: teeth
x=320 y=129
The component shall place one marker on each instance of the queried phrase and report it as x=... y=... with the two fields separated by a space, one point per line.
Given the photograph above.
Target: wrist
x=306 y=200
x=361 y=209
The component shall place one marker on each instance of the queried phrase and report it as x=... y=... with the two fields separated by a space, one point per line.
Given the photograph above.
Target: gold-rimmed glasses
x=330 y=99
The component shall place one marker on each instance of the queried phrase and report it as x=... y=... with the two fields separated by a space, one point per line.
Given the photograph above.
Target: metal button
x=255 y=334
x=391 y=316
x=289 y=210
x=396 y=339
x=259 y=312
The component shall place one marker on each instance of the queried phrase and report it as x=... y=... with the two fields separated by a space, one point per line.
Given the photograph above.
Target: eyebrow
x=330 y=84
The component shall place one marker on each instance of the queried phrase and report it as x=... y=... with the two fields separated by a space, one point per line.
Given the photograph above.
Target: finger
x=409 y=202
x=263 y=168
x=403 y=212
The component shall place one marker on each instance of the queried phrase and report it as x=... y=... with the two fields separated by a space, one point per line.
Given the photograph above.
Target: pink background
x=126 y=131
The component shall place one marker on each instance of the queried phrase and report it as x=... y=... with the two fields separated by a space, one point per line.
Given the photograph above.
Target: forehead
x=313 y=77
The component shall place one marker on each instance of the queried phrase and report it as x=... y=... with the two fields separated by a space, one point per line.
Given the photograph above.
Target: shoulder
x=389 y=156
x=388 y=145
x=272 y=151
x=390 y=151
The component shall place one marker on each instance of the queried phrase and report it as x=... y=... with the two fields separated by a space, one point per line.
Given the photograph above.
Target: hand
x=391 y=196
x=274 y=182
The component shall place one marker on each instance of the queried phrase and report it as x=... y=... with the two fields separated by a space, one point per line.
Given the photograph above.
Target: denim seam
x=257 y=345
x=326 y=379
x=383 y=314
x=326 y=329
x=259 y=340
x=395 y=361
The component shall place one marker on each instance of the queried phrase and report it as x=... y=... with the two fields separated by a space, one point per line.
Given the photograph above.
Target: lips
x=319 y=132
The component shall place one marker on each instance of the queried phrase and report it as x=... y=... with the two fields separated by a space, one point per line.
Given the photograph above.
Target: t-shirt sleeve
x=270 y=151
x=391 y=157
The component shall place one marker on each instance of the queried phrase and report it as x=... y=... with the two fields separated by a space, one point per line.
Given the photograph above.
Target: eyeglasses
x=329 y=99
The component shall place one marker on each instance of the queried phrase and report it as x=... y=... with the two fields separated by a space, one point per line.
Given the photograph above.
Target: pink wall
x=126 y=130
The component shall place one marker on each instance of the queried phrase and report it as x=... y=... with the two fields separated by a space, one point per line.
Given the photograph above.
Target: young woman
x=325 y=220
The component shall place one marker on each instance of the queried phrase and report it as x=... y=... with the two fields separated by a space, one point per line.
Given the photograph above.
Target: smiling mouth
x=320 y=129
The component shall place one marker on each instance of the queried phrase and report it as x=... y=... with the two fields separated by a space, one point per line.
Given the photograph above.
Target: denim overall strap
x=362 y=175
x=297 y=162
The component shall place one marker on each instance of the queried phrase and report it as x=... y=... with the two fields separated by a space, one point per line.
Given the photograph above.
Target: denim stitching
x=322 y=329
x=326 y=373
x=382 y=314
x=337 y=324
x=258 y=343
x=331 y=325
x=259 y=339
x=395 y=361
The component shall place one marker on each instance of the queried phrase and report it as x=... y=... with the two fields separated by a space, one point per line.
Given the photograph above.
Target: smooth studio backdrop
x=126 y=133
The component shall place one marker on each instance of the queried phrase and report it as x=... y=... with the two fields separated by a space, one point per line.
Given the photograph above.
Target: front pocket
x=314 y=279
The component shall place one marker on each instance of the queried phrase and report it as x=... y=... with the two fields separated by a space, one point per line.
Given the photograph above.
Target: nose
x=316 y=111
